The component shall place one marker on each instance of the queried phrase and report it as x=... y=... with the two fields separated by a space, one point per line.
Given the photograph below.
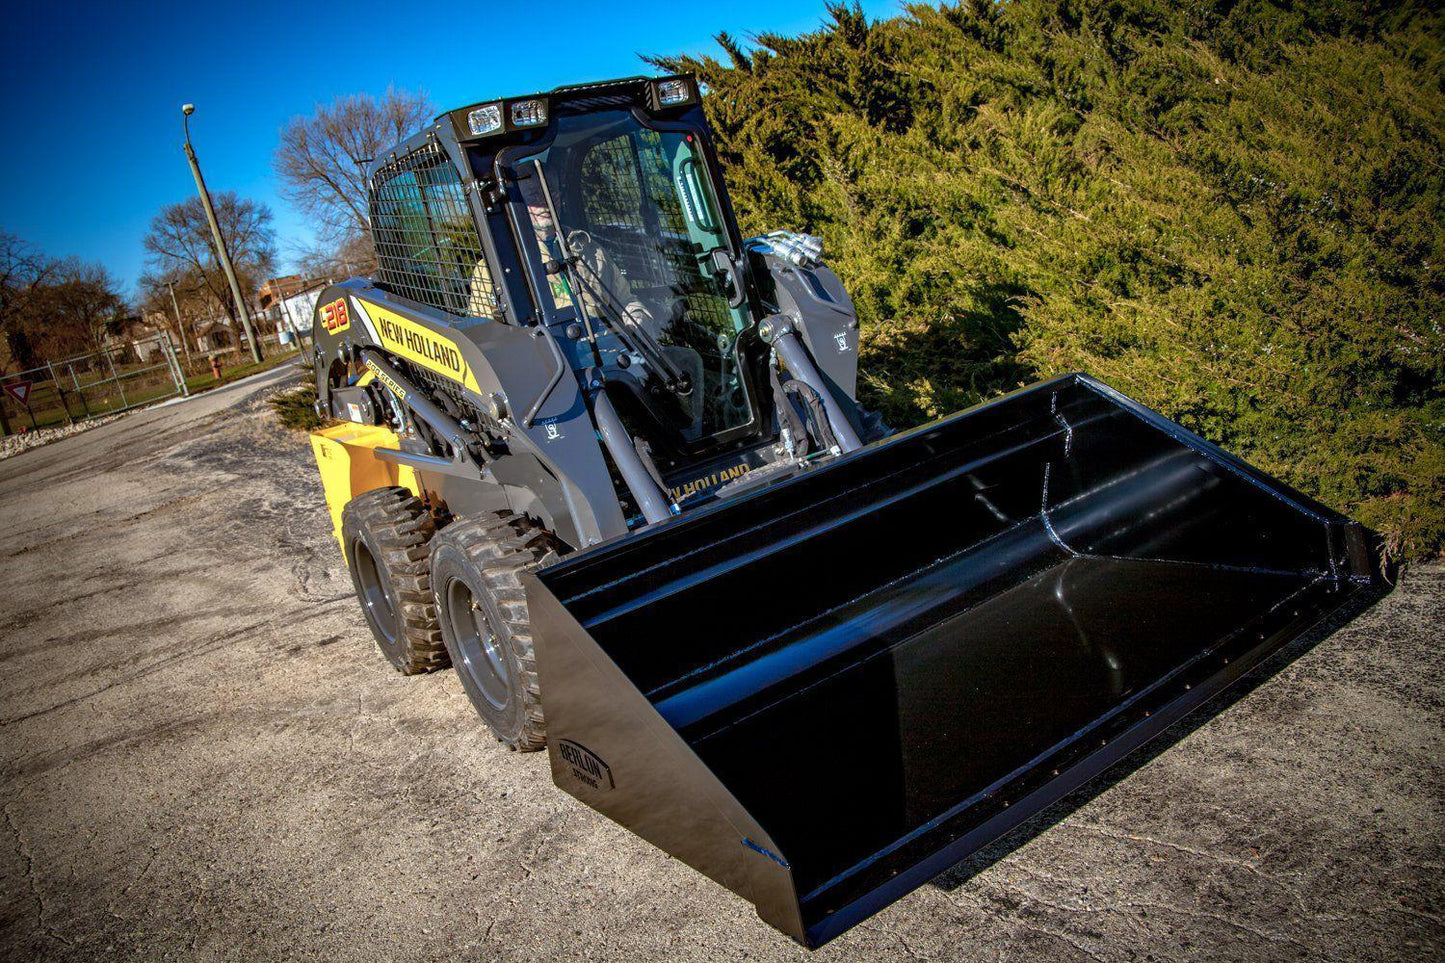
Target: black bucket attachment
x=824 y=693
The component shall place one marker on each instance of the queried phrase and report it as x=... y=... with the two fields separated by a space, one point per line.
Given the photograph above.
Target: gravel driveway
x=205 y=757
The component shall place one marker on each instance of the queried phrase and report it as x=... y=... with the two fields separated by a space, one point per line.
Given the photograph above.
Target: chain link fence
x=113 y=379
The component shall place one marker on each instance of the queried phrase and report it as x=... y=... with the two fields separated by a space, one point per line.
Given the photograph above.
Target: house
x=281 y=288
x=296 y=308
x=137 y=334
x=214 y=337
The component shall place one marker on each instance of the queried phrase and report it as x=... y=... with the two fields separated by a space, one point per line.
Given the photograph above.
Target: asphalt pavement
x=205 y=757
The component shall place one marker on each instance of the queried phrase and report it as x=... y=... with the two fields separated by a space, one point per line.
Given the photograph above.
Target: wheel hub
x=482 y=650
x=375 y=591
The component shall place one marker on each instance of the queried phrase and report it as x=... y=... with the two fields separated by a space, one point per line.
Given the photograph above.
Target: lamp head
x=188 y=109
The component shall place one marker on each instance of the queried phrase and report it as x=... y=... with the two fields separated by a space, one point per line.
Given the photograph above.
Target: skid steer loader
x=604 y=456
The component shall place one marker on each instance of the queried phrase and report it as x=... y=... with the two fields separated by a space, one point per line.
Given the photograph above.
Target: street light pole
x=225 y=255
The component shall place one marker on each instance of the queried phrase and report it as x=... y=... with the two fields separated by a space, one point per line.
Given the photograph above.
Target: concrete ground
x=203 y=756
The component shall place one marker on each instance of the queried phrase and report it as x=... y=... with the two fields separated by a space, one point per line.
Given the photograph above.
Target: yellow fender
x=346 y=456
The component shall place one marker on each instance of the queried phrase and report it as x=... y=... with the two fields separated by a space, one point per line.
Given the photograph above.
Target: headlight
x=485 y=119
x=673 y=92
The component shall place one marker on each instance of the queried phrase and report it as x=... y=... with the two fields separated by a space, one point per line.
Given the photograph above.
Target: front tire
x=476 y=569
x=387 y=533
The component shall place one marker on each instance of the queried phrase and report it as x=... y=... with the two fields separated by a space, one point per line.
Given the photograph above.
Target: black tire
x=388 y=535
x=476 y=567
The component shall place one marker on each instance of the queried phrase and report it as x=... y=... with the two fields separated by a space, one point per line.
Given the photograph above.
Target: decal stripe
x=418 y=344
x=366 y=320
x=382 y=376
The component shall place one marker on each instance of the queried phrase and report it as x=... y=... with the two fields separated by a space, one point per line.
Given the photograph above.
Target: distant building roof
x=282 y=287
x=131 y=326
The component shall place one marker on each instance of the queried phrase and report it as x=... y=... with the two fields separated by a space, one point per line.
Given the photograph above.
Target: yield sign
x=20 y=391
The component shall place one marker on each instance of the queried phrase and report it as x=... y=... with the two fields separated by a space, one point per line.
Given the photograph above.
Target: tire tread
x=403 y=529
x=501 y=546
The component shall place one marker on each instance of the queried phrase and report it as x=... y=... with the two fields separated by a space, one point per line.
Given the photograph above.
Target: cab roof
x=571 y=99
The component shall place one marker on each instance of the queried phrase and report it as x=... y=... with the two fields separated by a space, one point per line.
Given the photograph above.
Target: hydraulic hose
x=779 y=331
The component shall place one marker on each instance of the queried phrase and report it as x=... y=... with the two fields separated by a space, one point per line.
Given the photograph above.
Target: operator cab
x=617 y=215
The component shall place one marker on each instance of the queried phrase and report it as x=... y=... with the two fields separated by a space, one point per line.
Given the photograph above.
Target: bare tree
x=349 y=257
x=76 y=309
x=322 y=161
x=24 y=271
x=50 y=309
x=179 y=244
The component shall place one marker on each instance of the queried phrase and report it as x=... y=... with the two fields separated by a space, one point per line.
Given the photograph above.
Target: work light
x=672 y=92
x=529 y=113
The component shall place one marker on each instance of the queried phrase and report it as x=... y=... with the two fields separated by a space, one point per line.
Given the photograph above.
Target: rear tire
x=476 y=569
x=387 y=533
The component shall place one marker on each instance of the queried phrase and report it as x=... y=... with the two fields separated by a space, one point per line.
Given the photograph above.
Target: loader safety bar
x=650 y=498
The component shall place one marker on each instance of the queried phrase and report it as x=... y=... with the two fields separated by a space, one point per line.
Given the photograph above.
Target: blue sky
x=92 y=92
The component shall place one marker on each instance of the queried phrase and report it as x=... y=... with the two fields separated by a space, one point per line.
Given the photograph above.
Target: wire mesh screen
x=427 y=247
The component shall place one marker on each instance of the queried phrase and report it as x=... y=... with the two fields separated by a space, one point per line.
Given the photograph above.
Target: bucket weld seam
x=1064 y=422
x=1044 y=514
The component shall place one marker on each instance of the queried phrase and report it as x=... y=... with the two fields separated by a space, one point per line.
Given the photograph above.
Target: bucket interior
x=864 y=654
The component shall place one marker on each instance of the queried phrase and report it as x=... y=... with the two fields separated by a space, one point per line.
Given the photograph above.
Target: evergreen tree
x=1230 y=211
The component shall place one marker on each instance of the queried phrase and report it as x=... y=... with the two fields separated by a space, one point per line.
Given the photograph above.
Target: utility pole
x=225 y=256
x=180 y=325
